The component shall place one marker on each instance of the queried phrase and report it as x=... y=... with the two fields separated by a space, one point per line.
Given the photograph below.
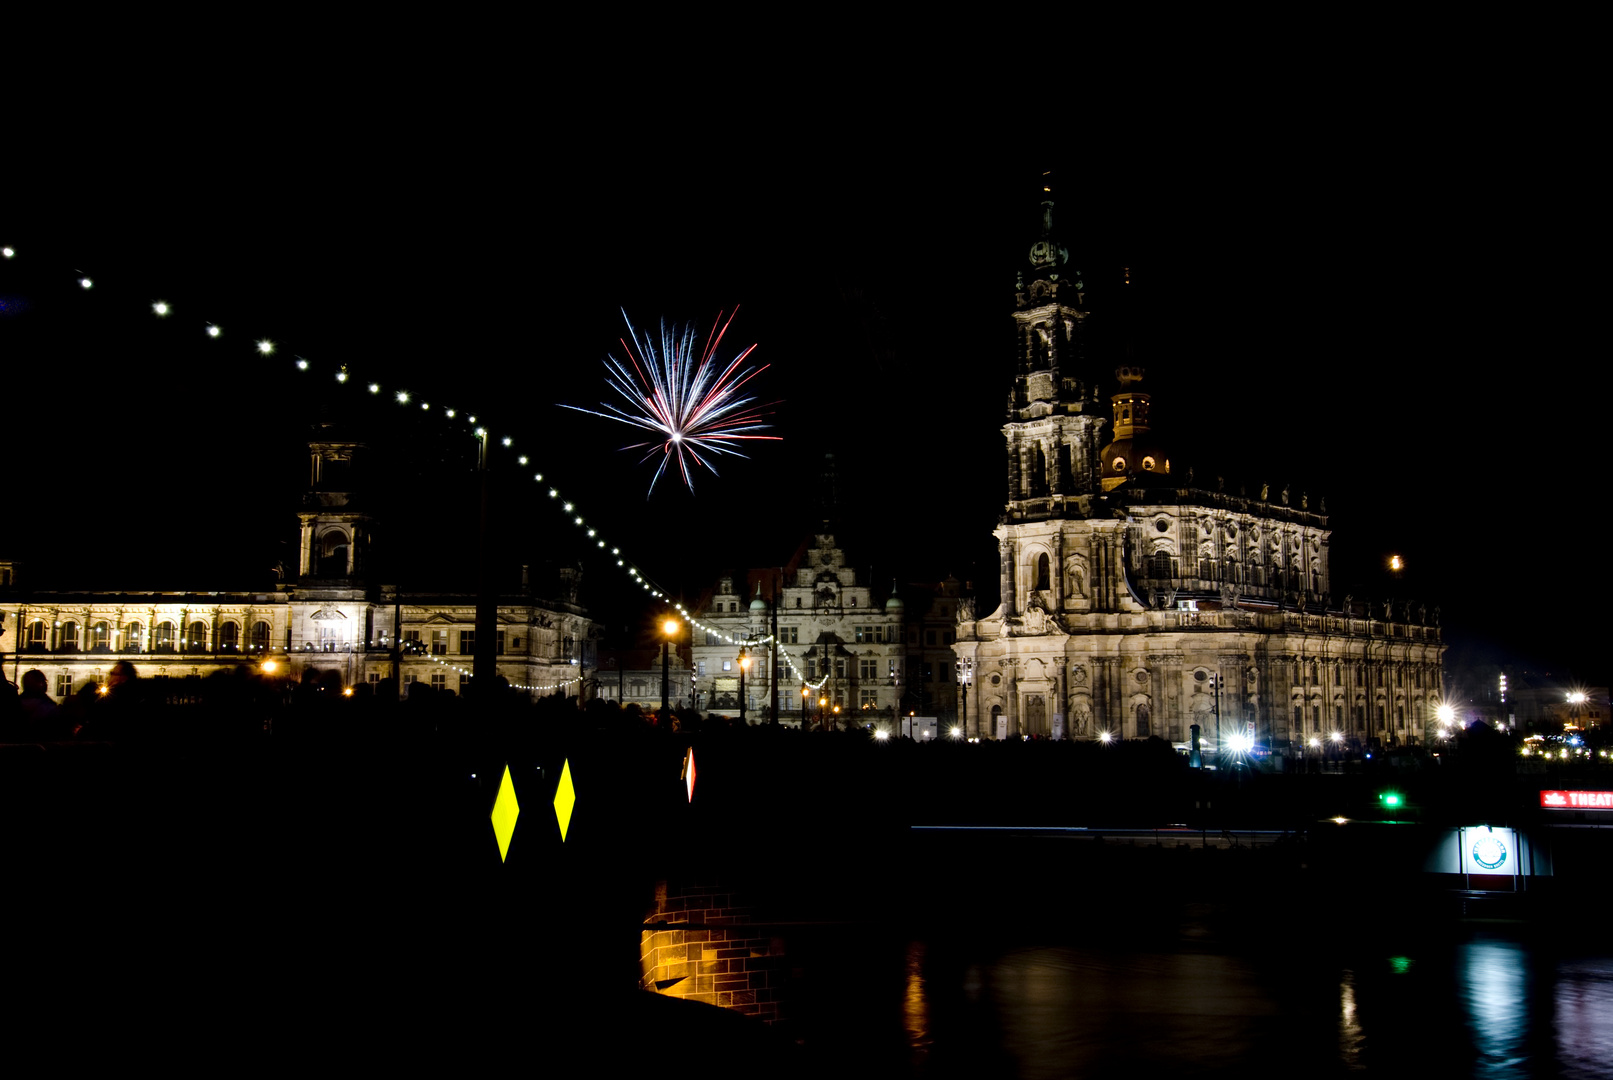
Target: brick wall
x=699 y=944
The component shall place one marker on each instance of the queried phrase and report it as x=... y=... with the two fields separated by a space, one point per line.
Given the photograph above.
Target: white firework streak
x=689 y=406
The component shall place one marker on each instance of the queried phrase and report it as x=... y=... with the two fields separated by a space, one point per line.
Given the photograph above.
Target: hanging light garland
x=267 y=347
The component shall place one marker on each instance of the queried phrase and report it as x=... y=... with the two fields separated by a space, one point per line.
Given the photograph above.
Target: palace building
x=332 y=616
x=836 y=641
x=1136 y=603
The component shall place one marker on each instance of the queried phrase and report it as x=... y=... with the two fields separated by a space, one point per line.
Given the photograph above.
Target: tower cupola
x=1133 y=452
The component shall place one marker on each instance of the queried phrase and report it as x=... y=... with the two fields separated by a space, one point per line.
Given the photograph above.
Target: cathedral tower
x=1053 y=424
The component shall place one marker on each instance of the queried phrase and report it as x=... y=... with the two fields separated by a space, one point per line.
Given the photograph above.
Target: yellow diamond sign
x=565 y=797
x=505 y=811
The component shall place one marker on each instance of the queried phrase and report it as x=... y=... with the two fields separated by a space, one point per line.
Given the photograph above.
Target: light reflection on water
x=1488 y=1006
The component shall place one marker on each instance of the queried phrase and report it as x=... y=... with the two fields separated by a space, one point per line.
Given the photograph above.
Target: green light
x=1390 y=799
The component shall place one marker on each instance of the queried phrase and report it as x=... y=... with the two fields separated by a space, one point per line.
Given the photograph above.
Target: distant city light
x=265 y=346
x=212 y=330
x=161 y=307
x=302 y=365
x=85 y=282
x=8 y=252
x=1395 y=563
x=403 y=397
x=375 y=388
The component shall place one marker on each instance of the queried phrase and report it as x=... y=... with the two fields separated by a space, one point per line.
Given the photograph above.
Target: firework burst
x=692 y=408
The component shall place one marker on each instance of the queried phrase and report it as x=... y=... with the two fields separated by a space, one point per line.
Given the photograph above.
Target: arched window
x=1038 y=472
x=1044 y=571
x=1161 y=566
x=196 y=637
x=332 y=554
x=260 y=636
x=229 y=637
x=38 y=635
x=100 y=636
x=1142 y=721
x=69 y=639
x=133 y=637
x=162 y=637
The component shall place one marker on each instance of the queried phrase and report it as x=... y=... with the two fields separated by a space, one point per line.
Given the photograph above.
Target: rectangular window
x=812 y=669
x=1316 y=718
x=927 y=673
x=498 y=642
x=64 y=684
x=893 y=668
x=944 y=674
x=410 y=679
x=375 y=677
x=840 y=667
x=439 y=680
x=868 y=669
x=792 y=634
x=467 y=643
x=700 y=666
x=868 y=699
x=862 y=634
x=711 y=638
x=439 y=643
x=411 y=641
x=728 y=665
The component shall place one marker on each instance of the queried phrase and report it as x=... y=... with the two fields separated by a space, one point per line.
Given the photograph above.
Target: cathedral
x=333 y=615
x=1136 y=603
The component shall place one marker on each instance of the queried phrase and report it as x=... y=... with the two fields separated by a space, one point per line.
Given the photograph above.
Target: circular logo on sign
x=1489 y=852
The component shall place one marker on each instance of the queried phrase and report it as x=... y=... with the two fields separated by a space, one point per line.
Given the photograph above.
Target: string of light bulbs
x=517 y=686
x=405 y=397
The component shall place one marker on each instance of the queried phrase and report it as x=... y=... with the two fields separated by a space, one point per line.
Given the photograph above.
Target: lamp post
x=965 y=675
x=744 y=665
x=805 y=695
x=823 y=720
x=670 y=627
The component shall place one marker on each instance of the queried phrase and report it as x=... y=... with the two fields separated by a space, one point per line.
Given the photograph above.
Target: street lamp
x=670 y=627
x=806 y=695
x=744 y=666
x=966 y=670
x=823 y=719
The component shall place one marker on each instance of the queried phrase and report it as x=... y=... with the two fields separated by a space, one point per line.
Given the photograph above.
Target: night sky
x=1369 y=318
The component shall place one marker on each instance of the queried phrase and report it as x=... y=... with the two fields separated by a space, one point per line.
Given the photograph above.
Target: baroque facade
x=835 y=641
x=1136 y=603
x=329 y=617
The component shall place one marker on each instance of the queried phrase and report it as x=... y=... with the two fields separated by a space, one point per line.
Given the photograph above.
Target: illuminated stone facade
x=835 y=641
x=1128 y=591
x=329 y=617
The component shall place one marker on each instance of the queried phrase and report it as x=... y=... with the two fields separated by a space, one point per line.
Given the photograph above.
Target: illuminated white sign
x=1489 y=851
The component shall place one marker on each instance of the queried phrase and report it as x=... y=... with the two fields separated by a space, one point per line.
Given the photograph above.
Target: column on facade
x=1005 y=561
x=303 y=565
x=1170 y=700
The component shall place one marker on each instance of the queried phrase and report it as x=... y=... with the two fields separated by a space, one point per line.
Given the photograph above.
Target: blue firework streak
x=692 y=408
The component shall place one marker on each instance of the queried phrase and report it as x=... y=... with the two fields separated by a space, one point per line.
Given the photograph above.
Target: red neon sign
x=1577 y=800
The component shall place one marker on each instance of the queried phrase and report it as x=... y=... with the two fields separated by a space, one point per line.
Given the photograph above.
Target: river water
x=1493 y=1000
